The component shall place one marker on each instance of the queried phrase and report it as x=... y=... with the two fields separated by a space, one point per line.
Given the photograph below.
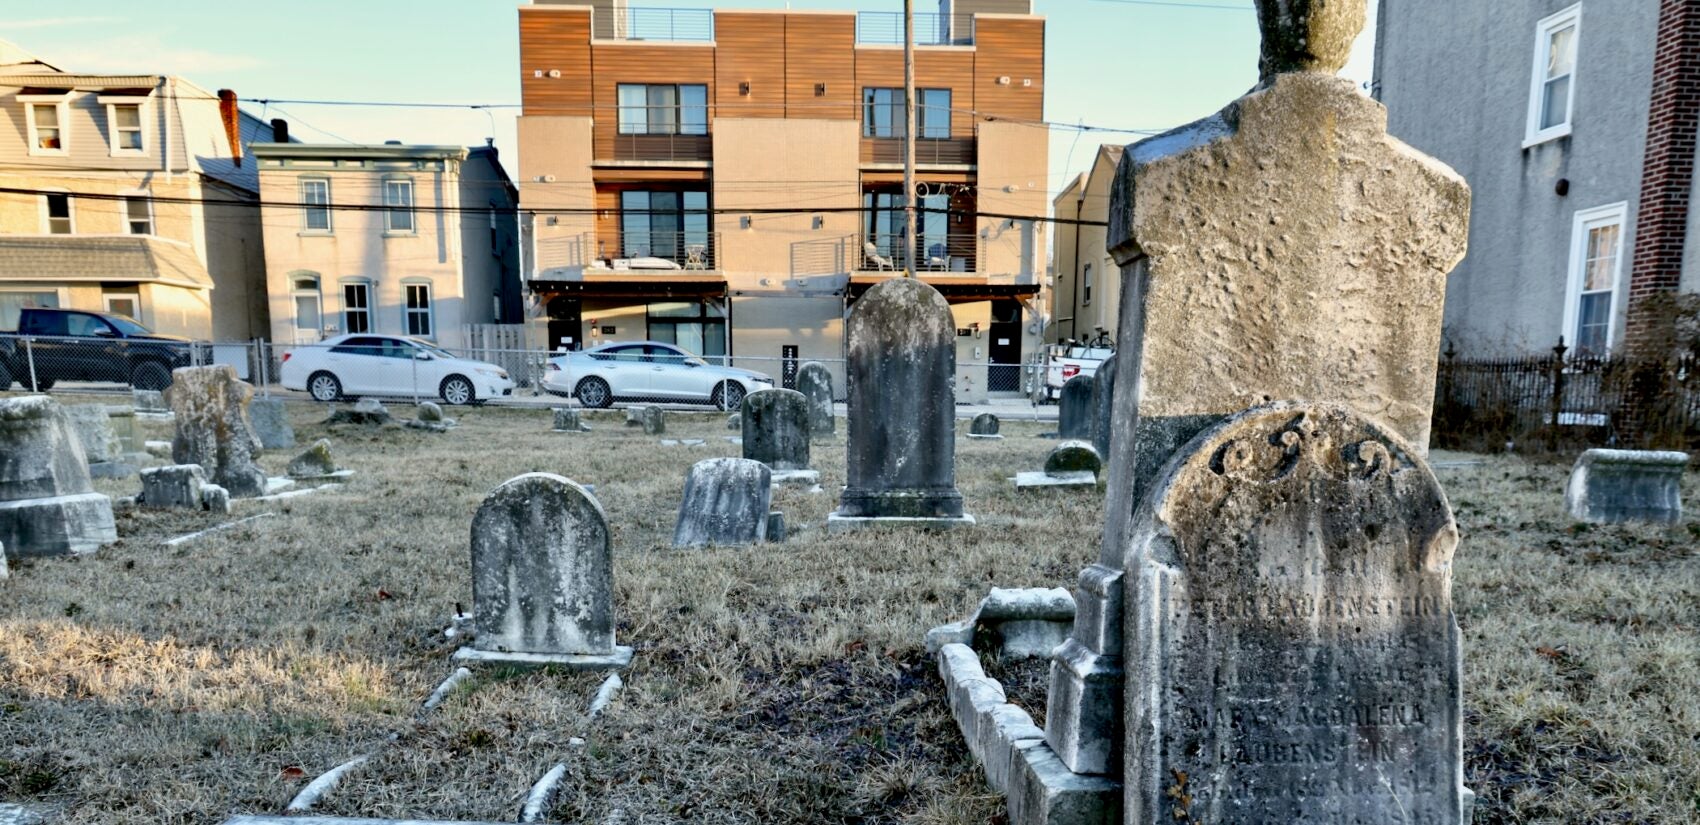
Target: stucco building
x=1574 y=123
x=394 y=239
x=731 y=181
x=1086 y=285
x=128 y=194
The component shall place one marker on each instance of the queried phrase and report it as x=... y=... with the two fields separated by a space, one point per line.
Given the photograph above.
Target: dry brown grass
x=772 y=684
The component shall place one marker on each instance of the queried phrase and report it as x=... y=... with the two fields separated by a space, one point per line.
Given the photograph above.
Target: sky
x=1124 y=64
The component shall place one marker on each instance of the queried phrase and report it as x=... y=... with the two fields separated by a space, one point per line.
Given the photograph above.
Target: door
x=1004 y=374
x=566 y=323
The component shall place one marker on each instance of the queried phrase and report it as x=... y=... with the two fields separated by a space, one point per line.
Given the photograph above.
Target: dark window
x=884 y=225
x=44 y=323
x=663 y=109
x=359 y=346
x=667 y=225
x=58 y=213
x=882 y=113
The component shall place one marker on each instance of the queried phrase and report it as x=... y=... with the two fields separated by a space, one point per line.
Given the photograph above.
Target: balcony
x=653 y=253
x=664 y=147
x=885 y=28
x=943 y=256
x=667 y=25
x=928 y=151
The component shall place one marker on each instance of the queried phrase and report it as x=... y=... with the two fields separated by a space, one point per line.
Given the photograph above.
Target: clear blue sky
x=1110 y=63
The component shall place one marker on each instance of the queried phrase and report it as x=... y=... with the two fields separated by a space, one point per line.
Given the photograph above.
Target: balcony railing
x=691 y=25
x=667 y=147
x=885 y=28
x=657 y=251
x=928 y=151
x=947 y=254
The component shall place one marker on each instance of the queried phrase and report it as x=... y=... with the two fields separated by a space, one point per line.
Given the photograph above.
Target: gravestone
x=543 y=578
x=901 y=446
x=1286 y=248
x=367 y=411
x=1615 y=486
x=567 y=421
x=776 y=431
x=653 y=420
x=814 y=381
x=183 y=487
x=776 y=532
x=1103 y=398
x=1074 y=409
x=725 y=503
x=210 y=406
x=5 y=571
x=122 y=418
x=314 y=462
x=93 y=426
x=1070 y=464
x=429 y=411
x=735 y=422
x=1294 y=656
x=48 y=506
x=271 y=423
x=984 y=425
x=149 y=402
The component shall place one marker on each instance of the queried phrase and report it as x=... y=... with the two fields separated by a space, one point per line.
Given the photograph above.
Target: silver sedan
x=648 y=371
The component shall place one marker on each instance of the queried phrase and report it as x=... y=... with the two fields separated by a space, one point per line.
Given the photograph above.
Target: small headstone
x=48 y=506
x=900 y=452
x=735 y=422
x=149 y=401
x=429 y=411
x=271 y=423
x=543 y=578
x=316 y=461
x=428 y=416
x=725 y=503
x=93 y=425
x=215 y=499
x=1074 y=409
x=210 y=406
x=654 y=420
x=567 y=421
x=984 y=425
x=122 y=417
x=634 y=416
x=1103 y=407
x=1073 y=457
x=367 y=411
x=776 y=533
x=776 y=428
x=1615 y=486
x=814 y=381
x=176 y=486
x=1297 y=653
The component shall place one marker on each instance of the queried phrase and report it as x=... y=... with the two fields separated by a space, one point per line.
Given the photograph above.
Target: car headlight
x=762 y=380
x=492 y=371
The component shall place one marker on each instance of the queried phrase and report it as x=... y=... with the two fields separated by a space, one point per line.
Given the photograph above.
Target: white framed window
x=138 y=214
x=126 y=304
x=316 y=205
x=356 y=306
x=1086 y=284
x=124 y=119
x=417 y=310
x=1552 y=89
x=14 y=301
x=48 y=118
x=398 y=203
x=56 y=215
x=1596 y=264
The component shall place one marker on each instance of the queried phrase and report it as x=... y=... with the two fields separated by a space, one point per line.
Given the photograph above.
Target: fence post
x=29 y=355
x=262 y=368
x=1557 y=393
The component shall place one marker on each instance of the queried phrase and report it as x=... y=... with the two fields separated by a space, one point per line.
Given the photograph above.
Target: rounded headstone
x=542 y=569
x=429 y=411
x=1073 y=457
x=814 y=381
x=725 y=503
x=1074 y=408
x=984 y=424
x=734 y=422
x=776 y=428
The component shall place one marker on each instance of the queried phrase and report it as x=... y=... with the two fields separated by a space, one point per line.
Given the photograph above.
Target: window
x=47 y=121
x=57 y=207
x=663 y=109
x=884 y=225
x=12 y=305
x=360 y=346
x=80 y=325
x=417 y=310
x=357 y=307
x=124 y=304
x=882 y=113
x=125 y=120
x=316 y=205
x=693 y=327
x=1553 y=90
x=495 y=235
x=1596 y=256
x=1086 y=284
x=138 y=215
x=398 y=200
x=666 y=225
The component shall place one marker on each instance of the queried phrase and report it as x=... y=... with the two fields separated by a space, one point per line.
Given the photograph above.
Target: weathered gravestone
x=735 y=422
x=776 y=433
x=567 y=421
x=210 y=406
x=725 y=503
x=1069 y=464
x=1614 y=486
x=653 y=419
x=814 y=381
x=984 y=425
x=1286 y=248
x=1074 y=409
x=149 y=403
x=367 y=411
x=1292 y=650
x=428 y=416
x=901 y=444
x=543 y=578
x=315 y=462
x=181 y=486
x=1103 y=398
x=93 y=425
x=271 y=423
x=48 y=506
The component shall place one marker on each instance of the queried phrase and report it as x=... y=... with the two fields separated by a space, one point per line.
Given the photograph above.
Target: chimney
x=280 y=130
x=232 y=118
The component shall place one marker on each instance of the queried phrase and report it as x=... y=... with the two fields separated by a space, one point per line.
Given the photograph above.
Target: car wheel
x=324 y=387
x=457 y=391
x=150 y=375
x=594 y=392
x=729 y=396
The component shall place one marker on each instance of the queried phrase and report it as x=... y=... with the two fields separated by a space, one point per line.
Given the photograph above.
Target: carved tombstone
x=814 y=380
x=901 y=447
x=1292 y=650
x=48 y=506
x=1074 y=409
x=210 y=406
x=1285 y=248
x=543 y=577
x=725 y=503
x=776 y=428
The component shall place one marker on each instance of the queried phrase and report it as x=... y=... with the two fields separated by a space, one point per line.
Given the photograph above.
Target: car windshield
x=128 y=325
x=431 y=348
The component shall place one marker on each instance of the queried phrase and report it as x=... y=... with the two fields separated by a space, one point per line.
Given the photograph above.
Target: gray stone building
x=1574 y=123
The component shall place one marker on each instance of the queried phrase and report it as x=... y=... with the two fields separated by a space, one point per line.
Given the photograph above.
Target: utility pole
x=909 y=138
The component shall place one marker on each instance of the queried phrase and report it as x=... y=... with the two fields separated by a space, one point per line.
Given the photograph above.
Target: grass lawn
x=782 y=683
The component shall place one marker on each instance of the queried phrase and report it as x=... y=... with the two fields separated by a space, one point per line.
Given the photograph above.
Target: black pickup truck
x=72 y=345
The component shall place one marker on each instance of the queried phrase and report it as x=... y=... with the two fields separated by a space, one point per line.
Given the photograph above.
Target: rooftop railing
x=691 y=25
x=885 y=28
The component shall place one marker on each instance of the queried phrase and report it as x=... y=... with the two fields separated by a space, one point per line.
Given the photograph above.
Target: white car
x=648 y=371
x=385 y=365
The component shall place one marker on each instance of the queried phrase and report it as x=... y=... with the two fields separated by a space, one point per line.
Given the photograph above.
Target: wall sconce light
x=744 y=222
x=976 y=327
x=551 y=221
x=819 y=222
x=820 y=90
x=744 y=88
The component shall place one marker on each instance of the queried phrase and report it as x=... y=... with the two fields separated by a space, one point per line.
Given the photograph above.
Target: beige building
x=394 y=239
x=731 y=181
x=128 y=194
x=1086 y=284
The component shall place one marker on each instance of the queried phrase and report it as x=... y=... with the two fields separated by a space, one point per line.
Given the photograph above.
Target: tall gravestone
x=814 y=381
x=48 y=506
x=725 y=503
x=776 y=428
x=1103 y=397
x=210 y=408
x=1286 y=248
x=1074 y=409
x=543 y=578
x=900 y=452
x=1292 y=650
x=271 y=423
